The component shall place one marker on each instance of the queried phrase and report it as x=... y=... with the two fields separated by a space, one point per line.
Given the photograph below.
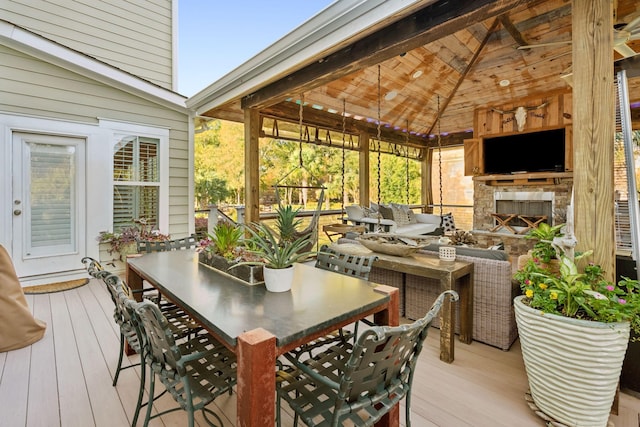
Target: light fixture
x=417 y=74
x=390 y=95
x=505 y=83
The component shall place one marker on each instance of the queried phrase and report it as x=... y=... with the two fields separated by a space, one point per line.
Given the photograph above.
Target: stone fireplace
x=549 y=199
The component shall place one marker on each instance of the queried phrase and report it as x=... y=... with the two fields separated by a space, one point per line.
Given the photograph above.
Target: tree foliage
x=219 y=171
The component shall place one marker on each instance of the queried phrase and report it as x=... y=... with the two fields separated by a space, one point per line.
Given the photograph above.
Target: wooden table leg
x=447 y=326
x=466 y=308
x=134 y=281
x=256 y=389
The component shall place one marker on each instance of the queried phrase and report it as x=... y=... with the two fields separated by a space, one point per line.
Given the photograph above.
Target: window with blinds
x=52 y=196
x=136 y=180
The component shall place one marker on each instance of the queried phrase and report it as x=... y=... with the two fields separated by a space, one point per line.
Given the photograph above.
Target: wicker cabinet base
x=493 y=292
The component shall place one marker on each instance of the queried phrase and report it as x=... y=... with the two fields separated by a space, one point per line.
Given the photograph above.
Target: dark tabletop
x=229 y=307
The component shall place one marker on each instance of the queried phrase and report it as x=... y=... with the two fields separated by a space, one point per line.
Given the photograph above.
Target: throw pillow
x=400 y=217
x=370 y=213
x=385 y=211
x=355 y=212
x=412 y=217
x=448 y=224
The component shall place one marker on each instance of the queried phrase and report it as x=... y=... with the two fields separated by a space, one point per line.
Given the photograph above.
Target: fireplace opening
x=524 y=203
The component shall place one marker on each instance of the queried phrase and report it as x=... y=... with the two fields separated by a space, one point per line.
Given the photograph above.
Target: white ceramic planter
x=573 y=366
x=278 y=279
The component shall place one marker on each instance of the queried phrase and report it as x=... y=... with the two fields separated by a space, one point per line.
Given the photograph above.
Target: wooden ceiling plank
x=422 y=27
x=472 y=62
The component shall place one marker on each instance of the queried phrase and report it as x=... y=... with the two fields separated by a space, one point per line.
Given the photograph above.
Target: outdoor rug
x=55 y=287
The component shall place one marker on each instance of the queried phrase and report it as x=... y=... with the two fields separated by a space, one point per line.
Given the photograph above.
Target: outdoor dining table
x=259 y=325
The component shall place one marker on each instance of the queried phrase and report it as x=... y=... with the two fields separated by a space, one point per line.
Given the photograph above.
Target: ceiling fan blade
x=624 y=50
x=532 y=46
x=632 y=24
x=568 y=79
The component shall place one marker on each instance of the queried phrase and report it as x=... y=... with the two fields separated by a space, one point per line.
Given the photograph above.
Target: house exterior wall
x=135 y=36
x=36 y=96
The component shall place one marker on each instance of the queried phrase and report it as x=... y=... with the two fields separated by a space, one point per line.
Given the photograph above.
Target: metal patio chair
x=148 y=246
x=358 y=383
x=195 y=371
x=349 y=265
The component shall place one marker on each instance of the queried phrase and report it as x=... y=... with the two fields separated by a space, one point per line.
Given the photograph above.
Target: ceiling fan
x=622 y=34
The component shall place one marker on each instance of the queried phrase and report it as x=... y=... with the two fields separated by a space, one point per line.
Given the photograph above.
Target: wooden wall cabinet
x=500 y=121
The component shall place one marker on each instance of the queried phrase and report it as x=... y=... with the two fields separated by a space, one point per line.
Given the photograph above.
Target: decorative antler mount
x=520 y=114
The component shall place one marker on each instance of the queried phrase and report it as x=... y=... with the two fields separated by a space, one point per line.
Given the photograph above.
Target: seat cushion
x=416 y=229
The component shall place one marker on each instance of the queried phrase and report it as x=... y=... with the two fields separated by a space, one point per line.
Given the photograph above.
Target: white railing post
x=213 y=218
x=240 y=211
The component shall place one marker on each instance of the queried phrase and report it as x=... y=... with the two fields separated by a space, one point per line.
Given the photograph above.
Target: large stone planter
x=573 y=366
x=251 y=274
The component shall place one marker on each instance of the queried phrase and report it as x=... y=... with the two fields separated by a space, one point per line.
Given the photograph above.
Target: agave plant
x=287 y=222
x=273 y=250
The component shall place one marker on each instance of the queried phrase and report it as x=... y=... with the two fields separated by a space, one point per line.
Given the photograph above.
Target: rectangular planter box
x=251 y=274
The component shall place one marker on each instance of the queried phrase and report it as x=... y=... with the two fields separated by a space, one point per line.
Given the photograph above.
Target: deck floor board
x=65 y=378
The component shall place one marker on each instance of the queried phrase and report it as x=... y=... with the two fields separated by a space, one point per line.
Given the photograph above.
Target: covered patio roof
x=437 y=59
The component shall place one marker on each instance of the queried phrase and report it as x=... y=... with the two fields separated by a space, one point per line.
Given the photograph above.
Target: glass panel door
x=48 y=215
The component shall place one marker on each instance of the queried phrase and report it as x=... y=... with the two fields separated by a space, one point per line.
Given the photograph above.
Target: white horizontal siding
x=134 y=36
x=32 y=87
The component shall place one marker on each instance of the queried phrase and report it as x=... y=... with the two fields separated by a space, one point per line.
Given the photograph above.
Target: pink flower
x=527 y=282
x=622 y=301
x=610 y=287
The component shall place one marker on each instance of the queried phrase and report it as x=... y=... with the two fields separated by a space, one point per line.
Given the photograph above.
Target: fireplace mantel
x=534 y=178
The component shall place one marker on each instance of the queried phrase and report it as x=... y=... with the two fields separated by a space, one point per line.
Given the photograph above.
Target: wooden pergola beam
x=431 y=23
x=594 y=110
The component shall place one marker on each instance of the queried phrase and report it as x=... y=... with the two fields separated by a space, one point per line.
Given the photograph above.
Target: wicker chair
x=349 y=265
x=195 y=371
x=357 y=383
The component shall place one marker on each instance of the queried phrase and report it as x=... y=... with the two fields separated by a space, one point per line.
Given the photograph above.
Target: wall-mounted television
x=542 y=151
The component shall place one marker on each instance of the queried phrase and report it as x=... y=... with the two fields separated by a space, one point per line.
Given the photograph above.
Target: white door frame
x=97 y=179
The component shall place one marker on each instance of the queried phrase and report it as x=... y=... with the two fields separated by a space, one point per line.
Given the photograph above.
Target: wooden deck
x=65 y=379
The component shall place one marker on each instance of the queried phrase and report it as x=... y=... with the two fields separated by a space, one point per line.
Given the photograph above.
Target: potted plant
x=124 y=242
x=574 y=331
x=543 y=251
x=276 y=255
x=224 y=249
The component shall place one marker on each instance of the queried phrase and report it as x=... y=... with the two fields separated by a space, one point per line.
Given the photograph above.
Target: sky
x=216 y=36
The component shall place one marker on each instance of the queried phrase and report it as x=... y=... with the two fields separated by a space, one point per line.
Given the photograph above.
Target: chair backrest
x=349 y=265
x=94 y=268
x=148 y=246
x=159 y=341
x=383 y=361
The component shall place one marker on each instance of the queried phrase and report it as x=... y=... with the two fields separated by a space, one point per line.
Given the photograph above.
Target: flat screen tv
x=528 y=152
